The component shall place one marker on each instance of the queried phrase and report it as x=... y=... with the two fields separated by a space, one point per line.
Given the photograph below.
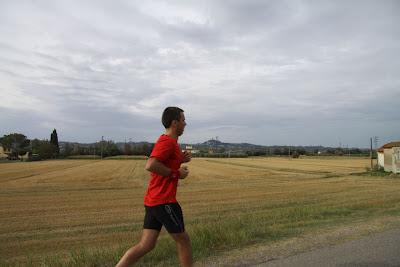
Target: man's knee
x=147 y=246
x=182 y=238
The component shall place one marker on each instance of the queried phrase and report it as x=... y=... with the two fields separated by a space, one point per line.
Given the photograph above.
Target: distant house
x=24 y=157
x=389 y=157
x=4 y=152
x=190 y=149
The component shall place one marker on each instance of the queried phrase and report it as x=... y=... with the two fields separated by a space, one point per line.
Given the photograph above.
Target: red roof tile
x=391 y=144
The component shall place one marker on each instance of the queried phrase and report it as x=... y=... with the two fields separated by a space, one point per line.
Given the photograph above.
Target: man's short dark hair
x=170 y=114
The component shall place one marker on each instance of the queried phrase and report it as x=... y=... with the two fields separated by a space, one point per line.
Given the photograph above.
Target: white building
x=381 y=157
x=389 y=157
x=190 y=149
x=3 y=152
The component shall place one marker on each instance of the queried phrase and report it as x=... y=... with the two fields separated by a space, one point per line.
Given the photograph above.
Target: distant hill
x=217 y=146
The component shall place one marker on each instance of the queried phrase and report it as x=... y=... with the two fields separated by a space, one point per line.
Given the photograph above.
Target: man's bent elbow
x=149 y=165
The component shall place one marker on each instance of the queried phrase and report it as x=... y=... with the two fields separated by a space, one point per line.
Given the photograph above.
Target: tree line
x=17 y=145
x=106 y=148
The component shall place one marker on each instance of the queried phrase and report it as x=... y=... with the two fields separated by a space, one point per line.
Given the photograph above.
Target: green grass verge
x=377 y=173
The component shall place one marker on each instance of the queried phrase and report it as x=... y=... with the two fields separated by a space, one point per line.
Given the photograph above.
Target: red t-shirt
x=162 y=189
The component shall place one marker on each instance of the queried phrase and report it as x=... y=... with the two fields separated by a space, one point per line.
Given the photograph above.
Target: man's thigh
x=170 y=216
x=150 y=219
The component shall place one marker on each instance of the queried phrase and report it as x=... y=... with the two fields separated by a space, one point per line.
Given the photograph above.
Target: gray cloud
x=265 y=72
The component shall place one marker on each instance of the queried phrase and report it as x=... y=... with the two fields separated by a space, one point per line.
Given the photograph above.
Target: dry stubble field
x=87 y=212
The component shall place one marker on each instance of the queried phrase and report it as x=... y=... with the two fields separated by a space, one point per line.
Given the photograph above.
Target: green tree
x=75 y=149
x=277 y=151
x=127 y=149
x=113 y=149
x=355 y=151
x=44 y=148
x=330 y=151
x=107 y=148
x=17 y=142
x=145 y=150
x=301 y=151
x=67 y=150
x=54 y=142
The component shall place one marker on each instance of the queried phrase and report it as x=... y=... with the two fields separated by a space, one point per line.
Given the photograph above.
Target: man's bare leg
x=146 y=244
x=184 y=249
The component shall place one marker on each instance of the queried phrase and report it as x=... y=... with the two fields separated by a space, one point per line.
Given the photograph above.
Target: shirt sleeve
x=162 y=150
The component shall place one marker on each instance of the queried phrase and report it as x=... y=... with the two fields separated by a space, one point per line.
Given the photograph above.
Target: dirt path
x=323 y=246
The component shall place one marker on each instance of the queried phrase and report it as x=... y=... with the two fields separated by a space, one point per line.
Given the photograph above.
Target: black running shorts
x=170 y=215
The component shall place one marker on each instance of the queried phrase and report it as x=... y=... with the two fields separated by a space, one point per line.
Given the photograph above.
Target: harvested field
x=87 y=212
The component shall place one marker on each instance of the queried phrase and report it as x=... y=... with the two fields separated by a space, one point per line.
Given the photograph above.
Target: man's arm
x=187 y=156
x=154 y=165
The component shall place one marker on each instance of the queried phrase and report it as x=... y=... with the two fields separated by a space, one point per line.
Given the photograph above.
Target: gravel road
x=381 y=249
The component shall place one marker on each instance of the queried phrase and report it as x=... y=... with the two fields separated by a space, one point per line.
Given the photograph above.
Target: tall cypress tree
x=54 y=141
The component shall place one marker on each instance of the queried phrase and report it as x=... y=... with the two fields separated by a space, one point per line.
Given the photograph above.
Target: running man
x=161 y=207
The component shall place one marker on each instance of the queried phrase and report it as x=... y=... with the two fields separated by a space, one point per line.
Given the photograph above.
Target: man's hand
x=184 y=171
x=187 y=156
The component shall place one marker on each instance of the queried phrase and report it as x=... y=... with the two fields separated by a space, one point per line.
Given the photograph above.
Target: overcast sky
x=265 y=72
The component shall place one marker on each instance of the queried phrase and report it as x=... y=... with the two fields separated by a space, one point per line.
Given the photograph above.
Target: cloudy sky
x=264 y=72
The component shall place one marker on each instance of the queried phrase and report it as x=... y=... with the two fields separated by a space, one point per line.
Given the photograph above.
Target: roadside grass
x=377 y=173
x=9 y=161
x=240 y=231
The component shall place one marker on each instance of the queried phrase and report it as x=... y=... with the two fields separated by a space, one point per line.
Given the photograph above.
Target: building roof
x=390 y=145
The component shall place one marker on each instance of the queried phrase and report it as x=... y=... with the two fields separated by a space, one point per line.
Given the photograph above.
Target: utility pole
x=14 y=145
x=376 y=139
x=371 y=153
x=101 y=154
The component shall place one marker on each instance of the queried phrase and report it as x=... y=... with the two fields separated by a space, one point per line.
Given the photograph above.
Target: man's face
x=180 y=126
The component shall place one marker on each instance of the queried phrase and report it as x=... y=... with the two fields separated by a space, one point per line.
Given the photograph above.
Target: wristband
x=175 y=174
